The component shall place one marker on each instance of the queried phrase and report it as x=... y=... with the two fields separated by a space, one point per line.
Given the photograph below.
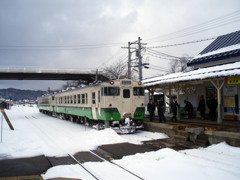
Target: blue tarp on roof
x=221 y=42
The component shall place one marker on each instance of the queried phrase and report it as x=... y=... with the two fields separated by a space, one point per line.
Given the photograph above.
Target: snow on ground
x=36 y=134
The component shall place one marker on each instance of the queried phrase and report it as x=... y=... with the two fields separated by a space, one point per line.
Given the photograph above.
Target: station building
x=215 y=74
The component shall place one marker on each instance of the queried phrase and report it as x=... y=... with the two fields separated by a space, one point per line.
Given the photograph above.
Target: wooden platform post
x=7 y=119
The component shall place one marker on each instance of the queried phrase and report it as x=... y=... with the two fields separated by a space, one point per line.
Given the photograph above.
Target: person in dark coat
x=161 y=110
x=201 y=107
x=212 y=105
x=151 y=109
x=188 y=108
x=174 y=105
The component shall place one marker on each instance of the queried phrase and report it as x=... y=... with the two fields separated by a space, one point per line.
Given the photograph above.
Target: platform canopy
x=216 y=72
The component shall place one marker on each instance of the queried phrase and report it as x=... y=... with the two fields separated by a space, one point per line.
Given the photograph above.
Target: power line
x=217 y=22
x=55 y=48
x=158 y=68
x=162 y=57
x=160 y=53
x=114 y=56
x=184 y=43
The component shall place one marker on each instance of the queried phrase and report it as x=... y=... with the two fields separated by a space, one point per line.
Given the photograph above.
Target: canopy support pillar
x=218 y=85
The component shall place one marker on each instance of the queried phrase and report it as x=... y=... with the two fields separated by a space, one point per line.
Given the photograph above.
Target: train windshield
x=111 y=91
x=138 y=91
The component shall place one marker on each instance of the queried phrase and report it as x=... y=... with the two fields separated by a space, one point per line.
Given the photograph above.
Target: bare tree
x=181 y=64
x=117 y=70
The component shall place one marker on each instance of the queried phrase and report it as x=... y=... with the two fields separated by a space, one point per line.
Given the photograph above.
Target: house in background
x=216 y=75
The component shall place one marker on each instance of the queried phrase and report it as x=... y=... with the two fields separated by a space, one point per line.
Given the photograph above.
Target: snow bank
x=219 y=161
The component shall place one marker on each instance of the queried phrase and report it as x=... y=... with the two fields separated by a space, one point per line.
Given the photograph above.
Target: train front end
x=124 y=101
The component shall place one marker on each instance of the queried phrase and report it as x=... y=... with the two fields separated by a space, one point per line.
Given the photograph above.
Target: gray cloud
x=36 y=26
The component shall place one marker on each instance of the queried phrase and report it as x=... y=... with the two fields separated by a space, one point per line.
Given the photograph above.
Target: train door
x=94 y=115
x=127 y=101
x=99 y=102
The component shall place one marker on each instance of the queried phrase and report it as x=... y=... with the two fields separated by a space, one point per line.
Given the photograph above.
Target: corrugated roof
x=218 y=49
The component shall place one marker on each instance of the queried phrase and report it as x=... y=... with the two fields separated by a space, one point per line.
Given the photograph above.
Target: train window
x=86 y=98
x=75 y=99
x=99 y=96
x=138 y=91
x=79 y=99
x=126 y=82
x=111 y=91
x=126 y=93
x=93 y=98
x=83 y=98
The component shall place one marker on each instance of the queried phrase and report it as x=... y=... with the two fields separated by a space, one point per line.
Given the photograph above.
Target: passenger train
x=118 y=104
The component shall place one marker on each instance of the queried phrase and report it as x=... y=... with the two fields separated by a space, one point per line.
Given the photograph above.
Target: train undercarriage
x=125 y=126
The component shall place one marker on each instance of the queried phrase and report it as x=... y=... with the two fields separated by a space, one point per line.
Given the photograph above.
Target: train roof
x=70 y=89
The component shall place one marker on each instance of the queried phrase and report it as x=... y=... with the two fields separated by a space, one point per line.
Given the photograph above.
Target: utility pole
x=139 y=62
x=129 y=61
x=139 y=58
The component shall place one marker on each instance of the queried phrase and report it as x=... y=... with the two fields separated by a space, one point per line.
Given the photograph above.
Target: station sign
x=232 y=80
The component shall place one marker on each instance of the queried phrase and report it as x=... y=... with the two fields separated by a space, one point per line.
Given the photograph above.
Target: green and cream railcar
x=118 y=103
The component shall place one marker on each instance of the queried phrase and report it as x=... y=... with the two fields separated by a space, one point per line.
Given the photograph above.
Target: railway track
x=95 y=175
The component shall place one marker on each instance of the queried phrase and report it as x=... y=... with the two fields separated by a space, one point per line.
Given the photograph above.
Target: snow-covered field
x=37 y=134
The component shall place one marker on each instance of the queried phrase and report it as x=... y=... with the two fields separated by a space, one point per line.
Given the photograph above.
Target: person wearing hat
x=174 y=105
x=161 y=110
x=188 y=108
x=151 y=109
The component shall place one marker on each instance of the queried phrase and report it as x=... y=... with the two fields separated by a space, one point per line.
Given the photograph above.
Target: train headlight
x=111 y=82
x=139 y=83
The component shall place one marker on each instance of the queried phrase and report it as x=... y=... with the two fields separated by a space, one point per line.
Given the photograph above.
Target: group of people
x=161 y=109
x=212 y=105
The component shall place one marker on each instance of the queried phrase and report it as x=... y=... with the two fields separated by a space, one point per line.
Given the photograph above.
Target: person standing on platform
x=174 y=105
x=188 y=108
x=151 y=109
x=161 y=110
x=201 y=107
x=212 y=105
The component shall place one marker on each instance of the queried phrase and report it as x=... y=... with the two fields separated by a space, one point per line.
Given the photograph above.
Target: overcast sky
x=88 y=34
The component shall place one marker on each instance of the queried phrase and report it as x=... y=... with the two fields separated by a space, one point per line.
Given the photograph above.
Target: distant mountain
x=18 y=94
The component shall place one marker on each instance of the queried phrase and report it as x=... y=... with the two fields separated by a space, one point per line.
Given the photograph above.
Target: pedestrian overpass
x=38 y=73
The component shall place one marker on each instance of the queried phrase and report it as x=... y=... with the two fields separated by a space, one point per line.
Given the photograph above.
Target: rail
x=65 y=151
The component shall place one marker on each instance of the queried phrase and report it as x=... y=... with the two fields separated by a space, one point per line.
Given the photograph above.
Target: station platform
x=22 y=168
x=201 y=132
